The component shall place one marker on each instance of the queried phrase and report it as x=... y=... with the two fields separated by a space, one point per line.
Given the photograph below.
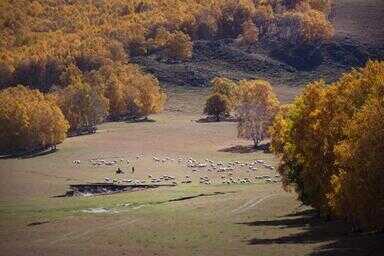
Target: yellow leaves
x=29 y=120
x=179 y=46
x=131 y=93
x=82 y=105
x=227 y=88
x=256 y=107
x=331 y=141
x=305 y=26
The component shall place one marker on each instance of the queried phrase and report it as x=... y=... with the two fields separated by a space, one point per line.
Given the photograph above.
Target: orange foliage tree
x=29 y=120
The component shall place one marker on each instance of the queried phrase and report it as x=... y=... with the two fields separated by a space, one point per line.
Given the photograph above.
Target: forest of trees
x=77 y=52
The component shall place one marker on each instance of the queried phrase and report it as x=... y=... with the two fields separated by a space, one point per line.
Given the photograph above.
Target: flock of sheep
x=226 y=173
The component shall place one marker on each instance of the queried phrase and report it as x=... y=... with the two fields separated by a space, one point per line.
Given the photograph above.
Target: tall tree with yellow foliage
x=257 y=105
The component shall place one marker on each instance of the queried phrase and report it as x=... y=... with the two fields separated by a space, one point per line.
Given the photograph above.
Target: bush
x=297 y=36
x=5 y=75
x=131 y=94
x=300 y=28
x=256 y=108
x=217 y=105
x=250 y=33
x=39 y=73
x=330 y=146
x=227 y=88
x=179 y=46
x=232 y=16
x=29 y=121
x=82 y=105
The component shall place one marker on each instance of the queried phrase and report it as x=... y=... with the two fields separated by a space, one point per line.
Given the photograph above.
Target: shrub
x=179 y=46
x=29 y=120
x=257 y=105
x=82 y=105
x=131 y=94
x=232 y=16
x=297 y=36
x=299 y=28
x=227 y=88
x=38 y=73
x=217 y=105
x=5 y=75
x=250 y=33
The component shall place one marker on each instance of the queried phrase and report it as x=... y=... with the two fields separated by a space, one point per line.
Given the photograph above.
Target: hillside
x=359 y=36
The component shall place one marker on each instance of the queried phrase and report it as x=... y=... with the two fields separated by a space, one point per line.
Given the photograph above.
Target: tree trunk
x=218 y=118
x=255 y=143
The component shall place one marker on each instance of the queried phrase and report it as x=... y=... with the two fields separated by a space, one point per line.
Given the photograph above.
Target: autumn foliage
x=80 y=50
x=82 y=105
x=256 y=107
x=29 y=121
x=222 y=100
x=331 y=146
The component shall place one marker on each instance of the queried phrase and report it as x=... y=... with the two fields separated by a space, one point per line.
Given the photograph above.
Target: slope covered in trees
x=41 y=38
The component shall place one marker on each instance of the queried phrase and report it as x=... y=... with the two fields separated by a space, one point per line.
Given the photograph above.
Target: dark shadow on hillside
x=214 y=120
x=240 y=149
x=338 y=236
x=30 y=154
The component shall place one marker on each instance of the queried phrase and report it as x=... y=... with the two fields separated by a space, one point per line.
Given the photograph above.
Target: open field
x=190 y=219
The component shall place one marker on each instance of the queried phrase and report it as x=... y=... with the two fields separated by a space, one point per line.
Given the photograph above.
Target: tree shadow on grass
x=30 y=154
x=210 y=119
x=140 y=120
x=337 y=235
x=241 y=149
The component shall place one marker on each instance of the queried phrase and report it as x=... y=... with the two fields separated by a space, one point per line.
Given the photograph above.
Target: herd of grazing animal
x=204 y=172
